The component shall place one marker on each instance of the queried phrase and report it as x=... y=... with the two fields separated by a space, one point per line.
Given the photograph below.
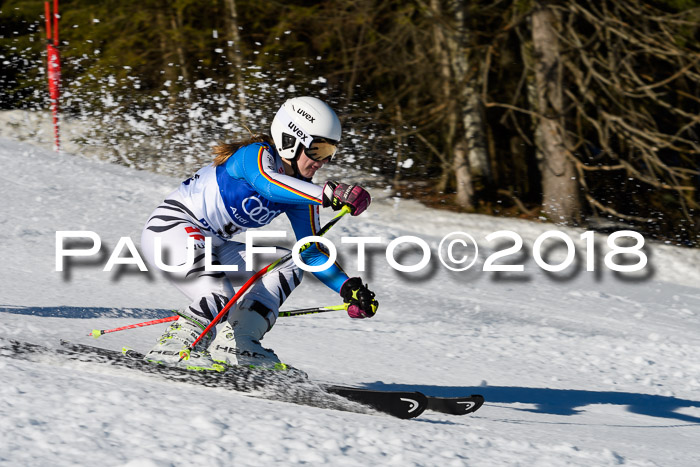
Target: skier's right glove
x=336 y=195
x=360 y=300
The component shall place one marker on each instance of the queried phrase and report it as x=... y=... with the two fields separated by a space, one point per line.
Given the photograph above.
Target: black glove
x=359 y=298
x=336 y=195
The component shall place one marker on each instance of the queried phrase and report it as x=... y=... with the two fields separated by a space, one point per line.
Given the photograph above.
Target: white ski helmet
x=300 y=121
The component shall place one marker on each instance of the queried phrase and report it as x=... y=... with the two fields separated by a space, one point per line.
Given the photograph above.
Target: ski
x=271 y=385
x=401 y=404
x=461 y=405
x=456 y=405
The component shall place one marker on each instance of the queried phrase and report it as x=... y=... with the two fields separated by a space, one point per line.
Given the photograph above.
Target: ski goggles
x=321 y=149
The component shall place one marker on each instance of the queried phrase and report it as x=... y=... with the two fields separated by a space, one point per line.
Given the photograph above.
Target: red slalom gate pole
x=53 y=66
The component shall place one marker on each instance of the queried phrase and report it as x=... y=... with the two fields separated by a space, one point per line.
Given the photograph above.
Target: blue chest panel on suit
x=245 y=205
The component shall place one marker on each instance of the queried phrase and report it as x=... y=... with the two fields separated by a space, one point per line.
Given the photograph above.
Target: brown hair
x=223 y=151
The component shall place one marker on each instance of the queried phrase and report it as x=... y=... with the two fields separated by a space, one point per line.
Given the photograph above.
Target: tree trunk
x=444 y=94
x=560 y=189
x=531 y=182
x=463 y=177
x=235 y=55
x=473 y=118
x=474 y=127
x=469 y=151
x=176 y=25
x=170 y=73
x=399 y=148
x=452 y=63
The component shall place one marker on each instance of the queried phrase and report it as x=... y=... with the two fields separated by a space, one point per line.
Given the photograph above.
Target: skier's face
x=307 y=166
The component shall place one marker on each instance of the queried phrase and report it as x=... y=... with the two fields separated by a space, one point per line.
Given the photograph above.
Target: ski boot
x=177 y=338
x=238 y=342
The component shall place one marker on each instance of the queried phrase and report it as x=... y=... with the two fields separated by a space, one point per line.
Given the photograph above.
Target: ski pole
x=99 y=332
x=311 y=311
x=186 y=352
x=303 y=311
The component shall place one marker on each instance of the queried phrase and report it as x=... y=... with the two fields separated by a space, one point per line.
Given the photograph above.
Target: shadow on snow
x=565 y=402
x=87 y=312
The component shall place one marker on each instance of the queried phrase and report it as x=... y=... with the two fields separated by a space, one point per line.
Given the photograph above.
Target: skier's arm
x=305 y=222
x=256 y=164
x=358 y=297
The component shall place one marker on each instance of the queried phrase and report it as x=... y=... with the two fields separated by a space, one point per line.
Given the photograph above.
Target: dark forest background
x=577 y=112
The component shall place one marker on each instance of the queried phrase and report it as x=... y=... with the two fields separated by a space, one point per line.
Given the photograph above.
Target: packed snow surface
x=577 y=367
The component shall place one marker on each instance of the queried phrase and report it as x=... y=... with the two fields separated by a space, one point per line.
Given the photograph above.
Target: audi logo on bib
x=258 y=213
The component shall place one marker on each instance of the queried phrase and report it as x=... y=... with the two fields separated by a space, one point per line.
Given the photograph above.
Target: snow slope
x=577 y=367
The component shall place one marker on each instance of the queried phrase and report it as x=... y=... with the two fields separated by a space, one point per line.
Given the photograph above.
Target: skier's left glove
x=336 y=195
x=360 y=300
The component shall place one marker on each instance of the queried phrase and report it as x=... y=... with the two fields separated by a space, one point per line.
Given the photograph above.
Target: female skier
x=246 y=187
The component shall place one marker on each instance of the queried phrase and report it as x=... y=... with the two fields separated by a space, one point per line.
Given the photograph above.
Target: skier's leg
x=207 y=290
x=238 y=341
